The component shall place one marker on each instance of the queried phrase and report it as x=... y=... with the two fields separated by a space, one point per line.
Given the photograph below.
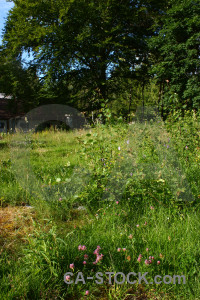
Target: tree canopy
x=82 y=49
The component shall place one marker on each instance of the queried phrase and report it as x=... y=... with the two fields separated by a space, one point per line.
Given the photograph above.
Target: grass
x=133 y=187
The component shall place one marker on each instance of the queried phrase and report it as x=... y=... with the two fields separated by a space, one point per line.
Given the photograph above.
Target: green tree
x=177 y=56
x=20 y=82
x=76 y=44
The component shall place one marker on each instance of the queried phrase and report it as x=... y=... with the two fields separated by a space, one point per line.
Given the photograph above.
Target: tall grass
x=132 y=190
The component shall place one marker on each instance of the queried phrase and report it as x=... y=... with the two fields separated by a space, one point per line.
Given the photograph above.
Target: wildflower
x=119 y=148
x=145 y=223
x=186 y=147
x=98 y=247
x=161 y=256
x=139 y=259
x=60 y=199
x=80 y=247
x=158 y=262
x=128 y=258
x=124 y=249
x=151 y=207
x=87 y=293
x=117 y=202
x=131 y=174
x=147 y=249
x=84 y=262
x=130 y=236
x=99 y=258
x=167 y=146
x=118 y=249
x=96 y=251
x=149 y=257
x=137 y=225
x=71 y=266
x=152 y=257
x=67 y=278
x=146 y=262
x=85 y=256
x=127 y=142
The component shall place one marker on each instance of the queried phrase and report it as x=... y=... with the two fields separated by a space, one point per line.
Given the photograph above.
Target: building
x=8 y=116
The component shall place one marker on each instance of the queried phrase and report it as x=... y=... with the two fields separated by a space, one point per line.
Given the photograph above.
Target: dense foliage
x=94 y=53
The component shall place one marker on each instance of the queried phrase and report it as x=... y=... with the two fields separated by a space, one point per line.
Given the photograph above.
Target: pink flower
x=124 y=249
x=151 y=207
x=67 y=278
x=158 y=262
x=60 y=199
x=139 y=259
x=118 y=249
x=85 y=256
x=71 y=266
x=137 y=225
x=80 y=247
x=146 y=262
x=145 y=223
x=152 y=257
x=96 y=252
x=84 y=262
x=87 y=293
x=130 y=236
x=98 y=247
x=117 y=202
x=99 y=258
x=147 y=249
x=149 y=257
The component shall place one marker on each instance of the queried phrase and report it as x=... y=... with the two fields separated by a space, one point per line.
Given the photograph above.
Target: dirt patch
x=15 y=224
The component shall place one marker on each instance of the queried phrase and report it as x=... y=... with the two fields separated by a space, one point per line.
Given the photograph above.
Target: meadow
x=113 y=198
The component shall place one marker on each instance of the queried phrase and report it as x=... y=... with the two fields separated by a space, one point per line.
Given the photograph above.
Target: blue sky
x=4 y=9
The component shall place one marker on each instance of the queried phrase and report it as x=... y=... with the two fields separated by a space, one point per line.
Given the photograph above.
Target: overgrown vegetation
x=129 y=191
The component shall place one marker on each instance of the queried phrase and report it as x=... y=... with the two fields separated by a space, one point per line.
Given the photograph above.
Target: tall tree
x=77 y=43
x=20 y=82
x=177 y=51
